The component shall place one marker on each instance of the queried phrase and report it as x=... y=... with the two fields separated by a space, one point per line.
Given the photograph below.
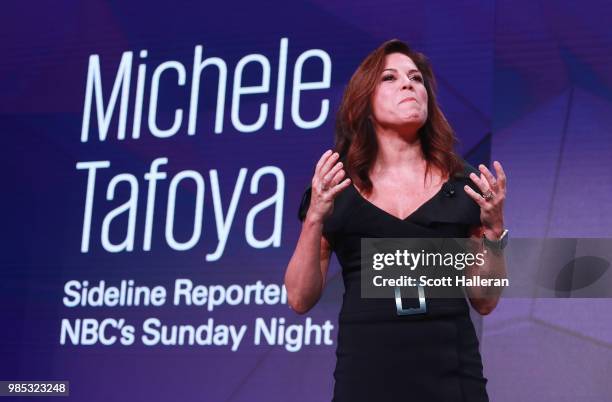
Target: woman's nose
x=407 y=83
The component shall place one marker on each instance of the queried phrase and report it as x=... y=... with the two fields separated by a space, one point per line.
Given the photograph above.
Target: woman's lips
x=408 y=99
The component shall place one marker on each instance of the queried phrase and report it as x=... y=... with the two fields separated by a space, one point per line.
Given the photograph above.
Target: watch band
x=498 y=244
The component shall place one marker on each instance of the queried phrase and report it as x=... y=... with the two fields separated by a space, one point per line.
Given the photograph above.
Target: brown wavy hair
x=355 y=136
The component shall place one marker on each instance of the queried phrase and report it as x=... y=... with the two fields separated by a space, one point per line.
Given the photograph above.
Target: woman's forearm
x=485 y=298
x=304 y=278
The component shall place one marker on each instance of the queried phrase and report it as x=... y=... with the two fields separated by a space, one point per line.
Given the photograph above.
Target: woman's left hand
x=491 y=202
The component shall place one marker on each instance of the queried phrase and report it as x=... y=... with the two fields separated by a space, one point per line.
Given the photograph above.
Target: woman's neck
x=398 y=152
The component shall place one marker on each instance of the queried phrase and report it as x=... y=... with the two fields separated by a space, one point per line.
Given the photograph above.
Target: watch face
x=504 y=237
x=503 y=240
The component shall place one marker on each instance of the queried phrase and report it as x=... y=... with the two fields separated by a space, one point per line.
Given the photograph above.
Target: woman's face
x=400 y=98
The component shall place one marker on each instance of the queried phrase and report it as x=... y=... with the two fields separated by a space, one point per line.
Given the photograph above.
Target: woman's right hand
x=326 y=186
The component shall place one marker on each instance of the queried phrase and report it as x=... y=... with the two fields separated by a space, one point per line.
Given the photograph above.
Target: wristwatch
x=498 y=244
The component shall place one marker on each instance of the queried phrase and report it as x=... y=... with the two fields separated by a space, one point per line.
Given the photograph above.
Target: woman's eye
x=388 y=78
x=417 y=78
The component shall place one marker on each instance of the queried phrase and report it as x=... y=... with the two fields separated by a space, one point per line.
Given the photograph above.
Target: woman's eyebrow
x=395 y=70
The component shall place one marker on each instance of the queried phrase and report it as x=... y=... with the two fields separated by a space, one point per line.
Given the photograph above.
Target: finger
x=488 y=176
x=329 y=163
x=322 y=160
x=501 y=175
x=474 y=195
x=337 y=189
x=337 y=177
x=329 y=176
x=480 y=182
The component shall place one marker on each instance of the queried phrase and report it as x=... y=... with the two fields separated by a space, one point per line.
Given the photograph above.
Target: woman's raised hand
x=326 y=186
x=491 y=201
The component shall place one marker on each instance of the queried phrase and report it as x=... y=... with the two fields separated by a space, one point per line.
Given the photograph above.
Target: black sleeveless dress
x=381 y=355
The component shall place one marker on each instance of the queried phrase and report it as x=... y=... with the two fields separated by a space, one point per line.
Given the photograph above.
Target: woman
x=404 y=180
